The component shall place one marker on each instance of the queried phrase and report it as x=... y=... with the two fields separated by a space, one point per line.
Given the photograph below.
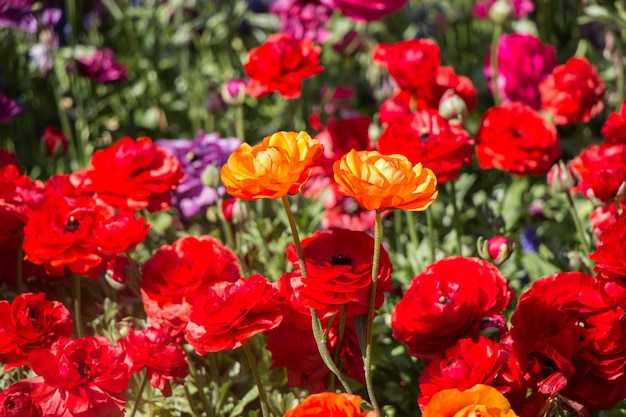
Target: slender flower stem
x=370 y=316
x=144 y=382
x=342 y=329
x=579 y=227
x=265 y=410
x=240 y=130
x=497 y=31
x=411 y=226
x=200 y=383
x=78 y=318
x=315 y=321
x=455 y=217
x=190 y=402
x=431 y=235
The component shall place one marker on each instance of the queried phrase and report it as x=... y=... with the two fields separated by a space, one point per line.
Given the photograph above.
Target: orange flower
x=331 y=405
x=378 y=181
x=480 y=400
x=272 y=169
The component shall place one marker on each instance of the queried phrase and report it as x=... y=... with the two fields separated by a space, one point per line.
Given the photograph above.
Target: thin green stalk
x=579 y=227
x=456 y=221
x=315 y=321
x=191 y=404
x=257 y=378
x=342 y=329
x=619 y=71
x=144 y=382
x=431 y=235
x=411 y=226
x=497 y=32
x=240 y=128
x=78 y=318
x=370 y=316
x=200 y=383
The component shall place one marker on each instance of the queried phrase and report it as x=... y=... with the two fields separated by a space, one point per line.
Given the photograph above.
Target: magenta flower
x=521 y=8
x=101 y=67
x=18 y=14
x=303 y=19
x=8 y=109
x=523 y=62
x=365 y=10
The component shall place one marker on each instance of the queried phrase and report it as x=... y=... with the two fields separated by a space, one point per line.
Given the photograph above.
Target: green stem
x=200 y=383
x=342 y=329
x=455 y=218
x=144 y=382
x=257 y=378
x=370 y=316
x=579 y=226
x=315 y=321
x=619 y=70
x=191 y=403
x=431 y=235
x=497 y=31
x=78 y=318
x=412 y=231
x=240 y=130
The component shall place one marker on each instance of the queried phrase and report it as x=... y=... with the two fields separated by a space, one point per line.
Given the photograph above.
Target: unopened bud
x=53 y=142
x=561 y=178
x=116 y=274
x=497 y=249
x=234 y=91
x=452 y=107
x=235 y=211
x=493 y=327
x=501 y=11
x=211 y=176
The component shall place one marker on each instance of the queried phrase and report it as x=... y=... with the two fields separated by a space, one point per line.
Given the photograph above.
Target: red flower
x=8 y=158
x=570 y=341
x=178 y=273
x=601 y=170
x=82 y=235
x=469 y=363
x=226 y=317
x=516 y=139
x=614 y=129
x=602 y=217
x=30 y=322
x=134 y=175
x=280 y=64
x=341 y=135
x=85 y=377
x=54 y=141
x=12 y=222
x=16 y=401
x=339 y=264
x=611 y=263
x=426 y=137
x=151 y=349
x=573 y=92
x=413 y=64
x=448 y=302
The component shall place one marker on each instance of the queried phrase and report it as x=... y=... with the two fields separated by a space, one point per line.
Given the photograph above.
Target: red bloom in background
x=133 y=175
x=341 y=135
x=339 y=264
x=16 y=401
x=570 y=341
x=614 y=129
x=178 y=273
x=151 y=349
x=85 y=377
x=516 y=139
x=602 y=217
x=601 y=170
x=81 y=235
x=448 y=302
x=413 y=64
x=468 y=363
x=426 y=137
x=226 y=317
x=280 y=64
x=611 y=261
x=8 y=158
x=573 y=92
x=30 y=322
x=54 y=141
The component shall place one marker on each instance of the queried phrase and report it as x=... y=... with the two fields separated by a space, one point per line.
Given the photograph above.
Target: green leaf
x=537 y=267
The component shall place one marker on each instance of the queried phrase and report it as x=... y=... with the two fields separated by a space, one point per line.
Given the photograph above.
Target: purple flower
x=365 y=10
x=18 y=14
x=8 y=109
x=192 y=196
x=303 y=19
x=521 y=8
x=101 y=67
x=523 y=62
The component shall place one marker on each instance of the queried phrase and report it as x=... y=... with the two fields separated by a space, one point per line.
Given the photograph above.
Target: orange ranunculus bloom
x=331 y=405
x=278 y=166
x=480 y=400
x=378 y=181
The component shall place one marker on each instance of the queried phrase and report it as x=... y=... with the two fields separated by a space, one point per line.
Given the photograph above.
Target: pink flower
x=521 y=8
x=365 y=10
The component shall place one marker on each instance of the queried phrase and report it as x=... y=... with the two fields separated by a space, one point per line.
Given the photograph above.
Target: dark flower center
x=444 y=300
x=83 y=369
x=341 y=260
x=34 y=314
x=517 y=134
x=72 y=224
x=192 y=157
x=424 y=137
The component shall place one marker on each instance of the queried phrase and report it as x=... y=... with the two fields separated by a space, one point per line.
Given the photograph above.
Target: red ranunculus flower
x=16 y=401
x=426 y=137
x=448 y=302
x=474 y=362
x=226 y=317
x=12 y=222
x=602 y=217
x=570 y=341
x=614 y=129
x=339 y=264
x=573 y=92
x=178 y=273
x=30 y=322
x=601 y=170
x=151 y=348
x=85 y=377
x=82 y=235
x=8 y=158
x=516 y=139
x=611 y=263
x=413 y=64
x=341 y=135
x=134 y=175
x=280 y=64
x=53 y=141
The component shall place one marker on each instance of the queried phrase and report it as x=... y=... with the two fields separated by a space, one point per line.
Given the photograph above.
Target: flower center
x=72 y=224
x=83 y=369
x=341 y=260
x=34 y=314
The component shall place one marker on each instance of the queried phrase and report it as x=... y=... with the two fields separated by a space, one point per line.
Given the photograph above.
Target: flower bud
x=234 y=91
x=235 y=210
x=53 y=142
x=116 y=274
x=500 y=11
x=452 y=107
x=497 y=249
x=561 y=178
x=211 y=176
x=494 y=327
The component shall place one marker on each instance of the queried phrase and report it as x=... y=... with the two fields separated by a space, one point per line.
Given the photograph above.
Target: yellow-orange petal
x=482 y=400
